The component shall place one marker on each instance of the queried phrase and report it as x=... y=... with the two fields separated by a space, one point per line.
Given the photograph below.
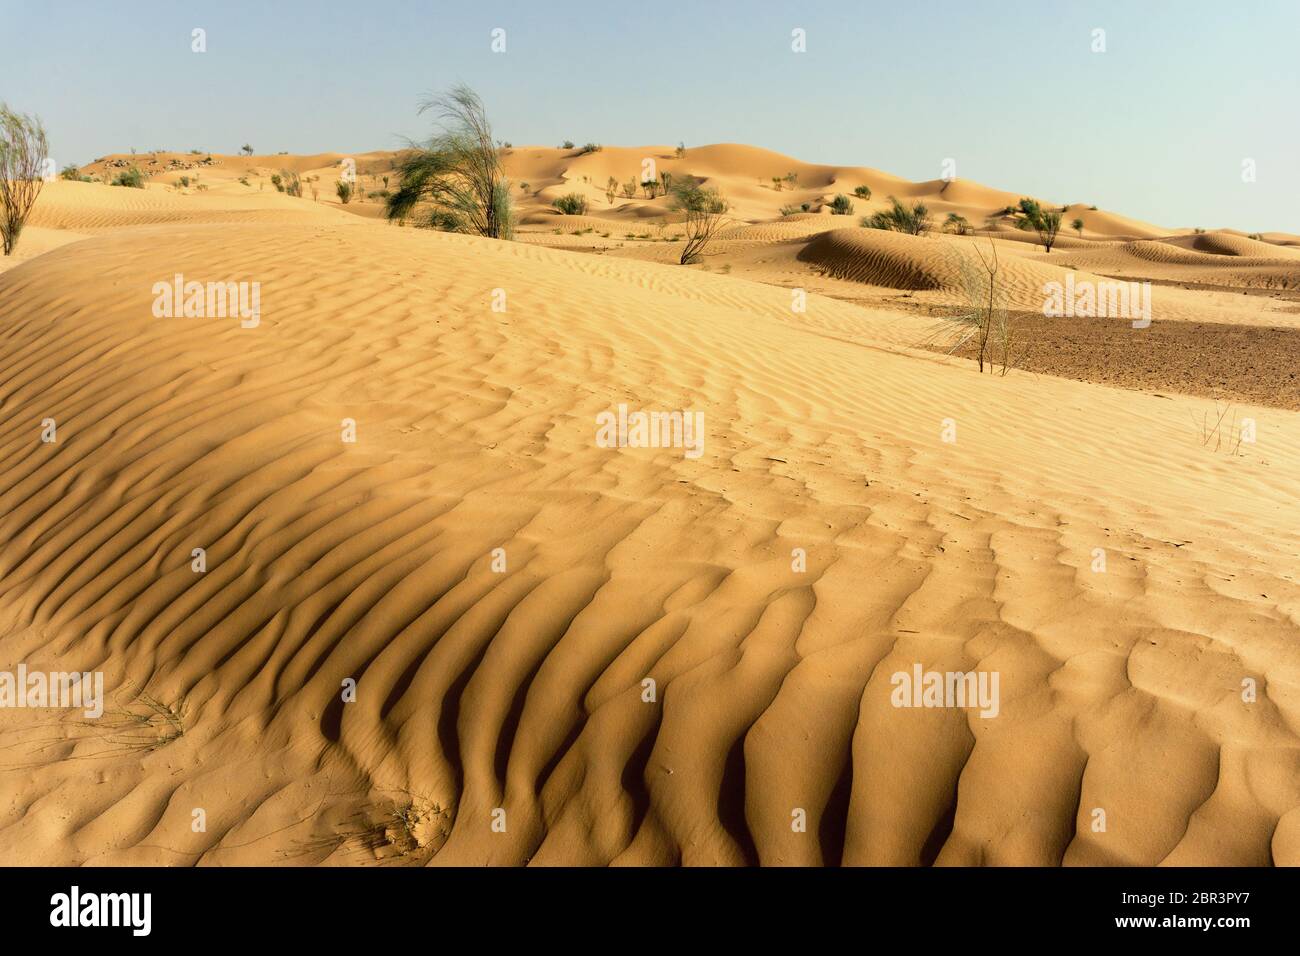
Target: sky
x=1188 y=98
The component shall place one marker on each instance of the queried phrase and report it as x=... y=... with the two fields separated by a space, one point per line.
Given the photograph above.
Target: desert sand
x=500 y=587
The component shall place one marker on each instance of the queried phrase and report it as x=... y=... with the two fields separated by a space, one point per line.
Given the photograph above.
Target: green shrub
x=841 y=205
x=132 y=178
x=571 y=205
x=344 y=190
x=862 y=192
x=900 y=218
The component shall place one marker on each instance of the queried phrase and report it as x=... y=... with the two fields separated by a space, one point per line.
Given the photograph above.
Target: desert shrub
x=458 y=171
x=344 y=191
x=1044 y=222
x=292 y=183
x=1077 y=226
x=1259 y=237
x=629 y=188
x=23 y=149
x=184 y=182
x=959 y=225
x=650 y=187
x=611 y=190
x=590 y=148
x=132 y=178
x=70 y=172
x=841 y=205
x=862 y=192
x=705 y=211
x=567 y=144
x=378 y=194
x=680 y=151
x=789 y=210
x=913 y=220
x=277 y=182
x=571 y=205
x=987 y=321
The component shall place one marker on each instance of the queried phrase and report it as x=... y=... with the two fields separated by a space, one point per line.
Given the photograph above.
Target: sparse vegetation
x=629 y=188
x=245 y=150
x=567 y=144
x=292 y=183
x=344 y=190
x=987 y=320
x=1213 y=434
x=1046 y=223
x=458 y=172
x=862 y=192
x=132 y=178
x=913 y=220
x=705 y=211
x=957 y=225
x=23 y=149
x=841 y=205
x=680 y=151
x=789 y=210
x=1077 y=226
x=611 y=190
x=590 y=148
x=572 y=204
x=70 y=172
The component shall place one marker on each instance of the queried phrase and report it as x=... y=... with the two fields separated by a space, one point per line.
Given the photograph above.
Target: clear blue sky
x=1156 y=127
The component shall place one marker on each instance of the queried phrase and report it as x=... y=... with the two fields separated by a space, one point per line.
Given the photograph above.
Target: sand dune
x=482 y=687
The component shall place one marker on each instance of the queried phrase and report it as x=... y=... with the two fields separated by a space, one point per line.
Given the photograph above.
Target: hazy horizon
x=1157 y=127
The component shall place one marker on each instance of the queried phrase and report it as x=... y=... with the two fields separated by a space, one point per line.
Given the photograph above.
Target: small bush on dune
x=344 y=190
x=292 y=183
x=590 y=148
x=132 y=178
x=789 y=210
x=567 y=144
x=571 y=205
x=458 y=172
x=1046 y=223
x=1077 y=226
x=956 y=224
x=70 y=172
x=841 y=205
x=899 y=218
x=23 y=149
x=862 y=192
x=705 y=212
